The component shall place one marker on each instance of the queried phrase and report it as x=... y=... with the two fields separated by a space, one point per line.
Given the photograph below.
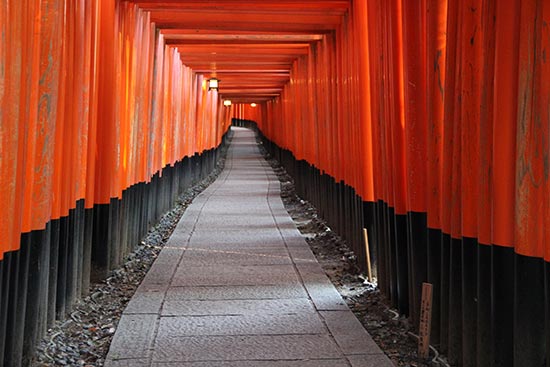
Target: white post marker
x=425 y=321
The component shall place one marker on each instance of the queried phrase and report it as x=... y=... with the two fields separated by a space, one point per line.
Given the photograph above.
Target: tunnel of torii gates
x=426 y=122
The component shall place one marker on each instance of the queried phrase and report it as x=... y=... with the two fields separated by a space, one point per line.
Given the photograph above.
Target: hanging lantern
x=227 y=103
x=213 y=84
x=253 y=104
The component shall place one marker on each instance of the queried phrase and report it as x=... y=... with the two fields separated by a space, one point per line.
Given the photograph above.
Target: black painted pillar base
x=13 y=354
x=484 y=332
x=529 y=312
x=37 y=291
x=502 y=283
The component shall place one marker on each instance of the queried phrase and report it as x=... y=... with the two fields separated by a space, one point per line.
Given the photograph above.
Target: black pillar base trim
x=53 y=267
x=491 y=306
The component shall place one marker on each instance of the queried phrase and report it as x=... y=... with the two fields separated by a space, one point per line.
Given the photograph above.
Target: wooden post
x=367 y=254
x=425 y=321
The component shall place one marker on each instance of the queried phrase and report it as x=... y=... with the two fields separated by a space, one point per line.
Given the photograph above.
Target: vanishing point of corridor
x=417 y=130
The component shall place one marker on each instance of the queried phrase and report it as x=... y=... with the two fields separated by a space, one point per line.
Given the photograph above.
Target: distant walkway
x=237 y=285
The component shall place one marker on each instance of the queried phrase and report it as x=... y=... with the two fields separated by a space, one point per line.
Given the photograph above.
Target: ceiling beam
x=250 y=45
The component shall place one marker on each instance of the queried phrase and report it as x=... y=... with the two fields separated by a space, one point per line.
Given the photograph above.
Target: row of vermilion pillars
x=436 y=113
x=90 y=106
x=100 y=127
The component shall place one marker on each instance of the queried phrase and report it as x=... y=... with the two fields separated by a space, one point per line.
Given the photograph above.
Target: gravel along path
x=83 y=339
x=392 y=332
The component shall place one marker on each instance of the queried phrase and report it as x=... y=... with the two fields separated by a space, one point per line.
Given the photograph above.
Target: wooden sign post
x=425 y=321
x=367 y=255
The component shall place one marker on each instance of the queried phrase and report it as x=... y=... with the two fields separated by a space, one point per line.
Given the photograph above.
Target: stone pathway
x=237 y=285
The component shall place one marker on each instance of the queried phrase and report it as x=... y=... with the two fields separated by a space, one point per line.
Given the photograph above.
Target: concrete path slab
x=237 y=286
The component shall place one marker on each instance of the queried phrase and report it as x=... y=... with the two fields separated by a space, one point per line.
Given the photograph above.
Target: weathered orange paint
x=543 y=115
x=448 y=196
x=505 y=115
x=90 y=94
x=364 y=87
x=470 y=102
x=416 y=123
x=532 y=137
x=486 y=117
x=436 y=56
x=397 y=108
x=433 y=107
x=441 y=109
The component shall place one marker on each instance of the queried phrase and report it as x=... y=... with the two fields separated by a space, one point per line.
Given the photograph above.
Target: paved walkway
x=237 y=285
